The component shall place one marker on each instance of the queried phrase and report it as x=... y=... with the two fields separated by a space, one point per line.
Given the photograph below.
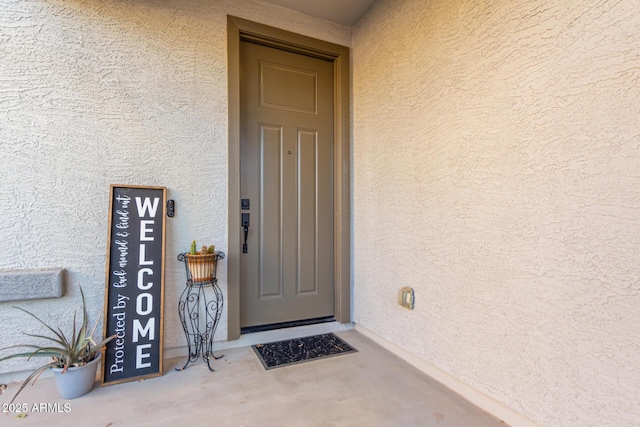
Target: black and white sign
x=134 y=289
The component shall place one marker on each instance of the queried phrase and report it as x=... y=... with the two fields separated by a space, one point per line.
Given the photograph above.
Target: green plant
x=77 y=349
x=204 y=251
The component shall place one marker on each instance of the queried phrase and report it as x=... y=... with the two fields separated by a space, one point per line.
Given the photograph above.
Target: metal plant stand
x=200 y=308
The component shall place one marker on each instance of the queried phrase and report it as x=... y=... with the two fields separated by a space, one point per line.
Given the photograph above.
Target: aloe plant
x=77 y=349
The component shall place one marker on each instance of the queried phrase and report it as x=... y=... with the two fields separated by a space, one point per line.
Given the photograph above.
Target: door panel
x=286 y=170
x=301 y=83
x=270 y=277
x=307 y=208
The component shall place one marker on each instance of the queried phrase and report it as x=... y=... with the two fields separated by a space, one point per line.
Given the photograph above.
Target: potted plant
x=202 y=264
x=74 y=357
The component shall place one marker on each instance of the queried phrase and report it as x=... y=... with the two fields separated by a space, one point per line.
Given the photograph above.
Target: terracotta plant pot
x=202 y=267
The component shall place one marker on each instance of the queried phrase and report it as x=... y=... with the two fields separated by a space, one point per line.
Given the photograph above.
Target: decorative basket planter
x=202 y=267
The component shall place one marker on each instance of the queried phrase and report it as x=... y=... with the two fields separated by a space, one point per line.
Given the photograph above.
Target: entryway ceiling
x=345 y=12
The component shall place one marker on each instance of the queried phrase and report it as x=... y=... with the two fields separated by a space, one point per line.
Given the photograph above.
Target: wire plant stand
x=200 y=308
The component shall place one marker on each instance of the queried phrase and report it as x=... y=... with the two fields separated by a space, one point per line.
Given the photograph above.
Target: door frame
x=241 y=29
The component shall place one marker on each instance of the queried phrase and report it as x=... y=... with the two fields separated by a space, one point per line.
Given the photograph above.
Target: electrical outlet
x=406 y=297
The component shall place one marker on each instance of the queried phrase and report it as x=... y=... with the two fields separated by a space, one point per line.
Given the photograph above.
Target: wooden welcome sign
x=134 y=289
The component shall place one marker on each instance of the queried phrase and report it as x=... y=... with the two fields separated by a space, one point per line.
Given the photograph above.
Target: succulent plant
x=204 y=250
x=76 y=349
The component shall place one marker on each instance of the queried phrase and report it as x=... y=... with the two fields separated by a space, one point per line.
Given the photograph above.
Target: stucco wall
x=125 y=92
x=496 y=159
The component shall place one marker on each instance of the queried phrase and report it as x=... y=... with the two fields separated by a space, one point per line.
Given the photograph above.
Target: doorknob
x=245 y=225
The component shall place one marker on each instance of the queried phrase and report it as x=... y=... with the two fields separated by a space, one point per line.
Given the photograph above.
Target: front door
x=286 y=184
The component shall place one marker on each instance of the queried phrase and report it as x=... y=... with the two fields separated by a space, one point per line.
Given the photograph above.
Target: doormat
x=298 y=350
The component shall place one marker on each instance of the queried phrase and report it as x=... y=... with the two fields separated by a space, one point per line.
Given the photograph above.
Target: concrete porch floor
x=372 y=387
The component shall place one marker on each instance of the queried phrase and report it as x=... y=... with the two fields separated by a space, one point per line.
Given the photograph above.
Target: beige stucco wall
x=496 y=150
x=125 y=92
x=496 y=159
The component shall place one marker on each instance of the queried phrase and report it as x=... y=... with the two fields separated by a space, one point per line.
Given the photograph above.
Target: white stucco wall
x=496 y=159
x=123 y=92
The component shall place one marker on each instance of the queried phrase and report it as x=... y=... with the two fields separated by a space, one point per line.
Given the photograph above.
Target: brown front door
x=286 y=175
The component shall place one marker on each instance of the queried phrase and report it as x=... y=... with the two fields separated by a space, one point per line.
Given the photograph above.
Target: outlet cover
x=406 y=297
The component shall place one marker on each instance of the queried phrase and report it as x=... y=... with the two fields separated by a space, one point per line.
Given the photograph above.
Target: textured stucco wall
x=126 y=92
x=496 y=159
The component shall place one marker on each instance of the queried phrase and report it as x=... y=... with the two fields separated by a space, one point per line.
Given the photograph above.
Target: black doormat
x=298 y=350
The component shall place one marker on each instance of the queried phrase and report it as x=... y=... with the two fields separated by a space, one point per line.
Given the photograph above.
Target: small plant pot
x=202 y=267
x=76 y=381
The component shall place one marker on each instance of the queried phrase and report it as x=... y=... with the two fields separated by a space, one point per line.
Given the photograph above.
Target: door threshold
x=284 y=325
x=248 y=340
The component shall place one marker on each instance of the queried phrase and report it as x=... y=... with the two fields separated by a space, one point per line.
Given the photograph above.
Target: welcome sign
x=134 y=289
